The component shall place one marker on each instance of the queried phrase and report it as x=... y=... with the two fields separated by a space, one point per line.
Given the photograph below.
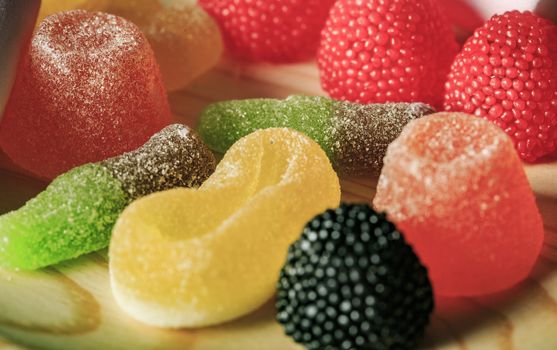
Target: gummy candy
x=455 y=186
x=275 y=31
x=50 y=7
x=89 y=89
x=354 y=136
x=185 y=39
x=17 y=19
x=190 y=258
x=76 y=213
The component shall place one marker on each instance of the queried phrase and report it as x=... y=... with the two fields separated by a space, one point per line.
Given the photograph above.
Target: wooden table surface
x=70 y=306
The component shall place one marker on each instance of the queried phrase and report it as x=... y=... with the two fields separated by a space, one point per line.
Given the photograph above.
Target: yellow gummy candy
x=186 y=39
x=192 y=258
x=49 y=7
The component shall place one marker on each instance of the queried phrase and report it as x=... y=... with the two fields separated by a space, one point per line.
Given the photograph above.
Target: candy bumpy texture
x=192 y=258
x=386 y=51
x=354 y=136
x=352 y=282
x=270 y=30
x=455 y=186
x=88 y=89
x=186 y=40
x=77 y=211
x=507 y=73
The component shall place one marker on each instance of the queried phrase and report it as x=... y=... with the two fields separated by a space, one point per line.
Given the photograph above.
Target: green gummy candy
x=354 y=136
x=76 y=213
x=59 y=224
x=224 y=123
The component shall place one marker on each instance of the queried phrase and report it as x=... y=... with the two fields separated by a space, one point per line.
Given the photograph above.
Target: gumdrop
x=89 y=89
x=186 y=40
x=455 y=185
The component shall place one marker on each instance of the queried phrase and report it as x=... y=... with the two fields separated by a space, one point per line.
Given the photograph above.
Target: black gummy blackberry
x=352 y=282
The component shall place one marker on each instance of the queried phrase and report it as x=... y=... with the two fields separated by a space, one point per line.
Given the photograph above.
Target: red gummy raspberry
x=507 y=73
x=276 y=31
x=386 y=51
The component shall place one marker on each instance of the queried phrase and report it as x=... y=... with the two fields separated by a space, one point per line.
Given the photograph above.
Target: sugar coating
x=186 y=40
x=76 y=213
x=455 y=186
x=73 y=216
x=362 y=133
x=191 y=258
x=89 y=89
x=174 y=157
x=354 y=136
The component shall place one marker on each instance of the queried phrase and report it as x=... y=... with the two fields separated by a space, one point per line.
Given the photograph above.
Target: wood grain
x=70 y=306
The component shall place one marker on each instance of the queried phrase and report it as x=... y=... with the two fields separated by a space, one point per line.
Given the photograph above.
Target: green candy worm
x=75 y=214
x=354 y=136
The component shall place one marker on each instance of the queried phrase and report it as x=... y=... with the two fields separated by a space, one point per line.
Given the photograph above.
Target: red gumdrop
x=455 y=186
x=88 y=89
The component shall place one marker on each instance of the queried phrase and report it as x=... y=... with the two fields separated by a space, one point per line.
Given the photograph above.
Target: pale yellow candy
x=49 y=7
x=192 y=258
x=186 y=40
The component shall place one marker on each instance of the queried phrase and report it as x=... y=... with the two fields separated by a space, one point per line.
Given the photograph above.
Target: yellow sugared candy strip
x=192 y=258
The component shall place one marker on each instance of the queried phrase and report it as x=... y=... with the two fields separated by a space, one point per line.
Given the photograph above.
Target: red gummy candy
x=507 y=73
x=270 y=30
x=386 y=51
x=455 y=186
x=88 y=89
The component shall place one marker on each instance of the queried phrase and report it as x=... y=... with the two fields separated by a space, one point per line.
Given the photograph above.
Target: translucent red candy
x=89 y=89
x=455 y=186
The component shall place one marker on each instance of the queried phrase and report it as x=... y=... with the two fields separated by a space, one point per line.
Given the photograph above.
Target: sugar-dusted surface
x=523 y=318
x=186 y=40
x=355 y=137
x=361 y=133
x=454 y=185
x=76 y=213
x=174 y=157
x=73 y=216
x=89 y=89
x=192 y=258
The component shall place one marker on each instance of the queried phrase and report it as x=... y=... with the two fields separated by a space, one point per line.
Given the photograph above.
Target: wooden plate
x=70 y=306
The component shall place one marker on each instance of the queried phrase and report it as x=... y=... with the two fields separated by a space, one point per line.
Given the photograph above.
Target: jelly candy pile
x=191 y=243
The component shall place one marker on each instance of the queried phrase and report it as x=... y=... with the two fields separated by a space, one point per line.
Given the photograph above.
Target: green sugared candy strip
x=224 y=123
x=354 y=136
x=77 y=211
x=59 y=224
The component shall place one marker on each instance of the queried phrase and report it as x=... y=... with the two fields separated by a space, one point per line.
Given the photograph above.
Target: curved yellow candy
x=191 y=258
